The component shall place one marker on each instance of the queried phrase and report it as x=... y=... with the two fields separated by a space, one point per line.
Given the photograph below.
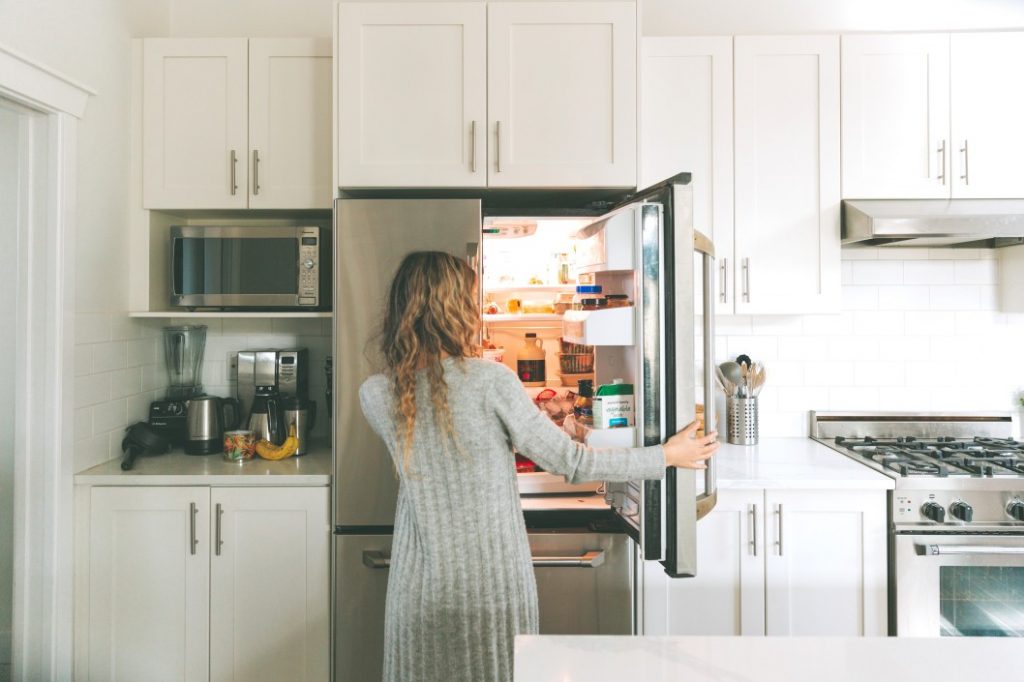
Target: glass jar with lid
x=586 y=291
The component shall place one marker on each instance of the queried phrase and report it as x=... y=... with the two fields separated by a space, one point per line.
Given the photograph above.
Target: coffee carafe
x=266 y=420
x=302 y=415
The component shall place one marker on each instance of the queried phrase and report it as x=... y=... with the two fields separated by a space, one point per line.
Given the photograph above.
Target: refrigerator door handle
x=591 y=559
x=701 y=244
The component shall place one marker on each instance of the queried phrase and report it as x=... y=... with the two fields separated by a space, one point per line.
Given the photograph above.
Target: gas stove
x=959 y=469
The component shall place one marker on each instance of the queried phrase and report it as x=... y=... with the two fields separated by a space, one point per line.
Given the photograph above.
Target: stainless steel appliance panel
x=956 y=584
x=584 y=587
x=371 y=238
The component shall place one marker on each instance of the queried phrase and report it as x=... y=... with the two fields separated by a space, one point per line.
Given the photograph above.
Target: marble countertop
x=793 y=463
x=540 y=658
x=177 y=468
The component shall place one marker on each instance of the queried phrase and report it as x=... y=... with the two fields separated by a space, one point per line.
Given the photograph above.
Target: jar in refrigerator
x=618 y=300
x=530 y=362
x=593 y=304
x=585 y=291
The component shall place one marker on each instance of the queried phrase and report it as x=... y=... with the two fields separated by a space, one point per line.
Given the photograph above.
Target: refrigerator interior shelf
x=540 y=288
x=609 y=327
x=513 y=318
x=543 y=483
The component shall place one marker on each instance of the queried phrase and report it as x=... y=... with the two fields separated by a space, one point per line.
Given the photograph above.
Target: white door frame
x=43 y=501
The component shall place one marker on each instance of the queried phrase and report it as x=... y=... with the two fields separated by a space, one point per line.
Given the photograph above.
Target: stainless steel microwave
x=245 y=267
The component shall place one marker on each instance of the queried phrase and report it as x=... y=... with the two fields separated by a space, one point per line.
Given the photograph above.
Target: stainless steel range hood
x=958 y=223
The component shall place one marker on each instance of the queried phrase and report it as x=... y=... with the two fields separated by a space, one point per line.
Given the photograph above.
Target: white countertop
x=793 y=463
x=540 y=658
x=177 y=468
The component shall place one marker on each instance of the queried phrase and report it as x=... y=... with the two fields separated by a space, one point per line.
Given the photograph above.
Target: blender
x=183 y=355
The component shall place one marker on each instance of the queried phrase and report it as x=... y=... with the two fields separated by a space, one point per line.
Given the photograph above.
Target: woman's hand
x=685 y=451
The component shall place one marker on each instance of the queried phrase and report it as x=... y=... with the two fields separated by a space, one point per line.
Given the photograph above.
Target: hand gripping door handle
x=589 y=559
x=701 y=244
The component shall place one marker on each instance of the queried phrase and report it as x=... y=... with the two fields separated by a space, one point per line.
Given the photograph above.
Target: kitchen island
x=540 y=658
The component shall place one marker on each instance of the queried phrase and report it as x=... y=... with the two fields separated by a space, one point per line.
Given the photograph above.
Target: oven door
x=237 y=267
x=959 y=584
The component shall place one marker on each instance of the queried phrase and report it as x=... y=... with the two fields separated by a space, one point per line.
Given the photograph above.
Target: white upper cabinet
x=236 y=123
x=686 y=126
x=412 y=95
x=896 y=116
x=195 y=123
x=787 y=174
x=148 y=588
x=562 y=94
x=270 y=593
x=987 y=101
x=290 y=123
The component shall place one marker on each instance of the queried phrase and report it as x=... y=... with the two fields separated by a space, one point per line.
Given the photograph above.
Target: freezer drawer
x=584 y=584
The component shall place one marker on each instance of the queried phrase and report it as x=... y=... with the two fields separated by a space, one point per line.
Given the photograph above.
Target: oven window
x=238 y=266
x=981 y=601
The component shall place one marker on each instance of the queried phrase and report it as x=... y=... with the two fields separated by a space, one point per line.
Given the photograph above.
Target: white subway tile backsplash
x=955 y=297
x=860 y=298
x=793 y=398
x=847 y=272
x=853 y=348
x=108 y=356
x=777 y=325
x=879 y=373
x=860 y=253
x=92 y=327
x=110 y=416
x=246 y=326
x=877 y=272
x=297 y=326
x=83 y=360
x=733 y=325
x=828 y=325
x=975 y=272
x=878 y=323
x=126 y=382
x=929 y=272
x=830 y=373
x=759 y=348
x=903 y=297
x=903 y=253
x=855 y=398
x=802 y=348
x=92 y=389
x=83 y=423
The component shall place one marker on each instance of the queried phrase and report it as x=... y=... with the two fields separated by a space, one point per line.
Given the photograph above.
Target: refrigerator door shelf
x=622 y=437
x=609 y=327
x=607 y=245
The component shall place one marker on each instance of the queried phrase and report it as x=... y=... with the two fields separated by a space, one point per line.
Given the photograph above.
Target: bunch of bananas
x=268 y=450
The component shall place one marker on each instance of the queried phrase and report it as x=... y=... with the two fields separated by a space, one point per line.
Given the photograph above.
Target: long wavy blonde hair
x=431 y=312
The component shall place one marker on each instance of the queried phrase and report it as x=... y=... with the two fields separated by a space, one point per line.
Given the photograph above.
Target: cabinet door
x=896 y=116
x=686 y=126
x=988 y=138
x=194 y=138
x=727 y=595
x=270 y=584
x=562 y=94
x=149 y=563
x=411 y=95
x=290 y=123
x=826 y=563
x=787 y=174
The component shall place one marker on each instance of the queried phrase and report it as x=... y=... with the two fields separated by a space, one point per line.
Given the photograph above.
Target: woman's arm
x=537 y=437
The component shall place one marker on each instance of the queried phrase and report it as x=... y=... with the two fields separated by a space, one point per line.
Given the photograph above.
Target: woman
x=462 y=584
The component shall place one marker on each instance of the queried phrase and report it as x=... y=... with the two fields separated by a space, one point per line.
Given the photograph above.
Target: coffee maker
x=278 y=373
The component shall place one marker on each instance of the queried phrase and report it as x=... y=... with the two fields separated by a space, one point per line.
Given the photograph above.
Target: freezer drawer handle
x=937 y=550
x=375 y=559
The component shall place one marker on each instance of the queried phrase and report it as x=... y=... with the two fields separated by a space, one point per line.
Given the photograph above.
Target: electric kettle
x=207 y=418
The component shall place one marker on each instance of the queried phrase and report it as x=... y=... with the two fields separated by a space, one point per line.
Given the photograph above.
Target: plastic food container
x=576 y=363
x=617 y=301
x=575 y=348
x=496 y=354
x=537 y=307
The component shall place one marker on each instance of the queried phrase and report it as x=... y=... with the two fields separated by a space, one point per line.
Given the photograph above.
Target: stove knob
x=1015 y=510
x=933 y=511
x=962 y=511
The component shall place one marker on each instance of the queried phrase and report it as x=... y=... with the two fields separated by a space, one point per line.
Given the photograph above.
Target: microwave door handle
x=701 y=244
x=976 y=550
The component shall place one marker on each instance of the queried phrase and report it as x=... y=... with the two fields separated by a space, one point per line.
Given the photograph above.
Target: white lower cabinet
x=207 y=583
x=779 y=562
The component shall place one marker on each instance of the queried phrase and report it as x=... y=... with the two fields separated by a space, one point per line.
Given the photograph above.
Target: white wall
x=731 y=17
x=919 y=331
x=8 y=302
x=89 y=42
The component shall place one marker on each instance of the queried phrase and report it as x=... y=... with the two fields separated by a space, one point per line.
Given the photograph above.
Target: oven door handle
x=939 y=550
x=591 y=559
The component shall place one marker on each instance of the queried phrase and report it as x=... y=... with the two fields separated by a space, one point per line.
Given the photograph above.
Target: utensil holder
x=741 y=416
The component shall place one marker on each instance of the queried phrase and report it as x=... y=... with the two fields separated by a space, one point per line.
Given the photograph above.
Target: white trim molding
x=43 y=501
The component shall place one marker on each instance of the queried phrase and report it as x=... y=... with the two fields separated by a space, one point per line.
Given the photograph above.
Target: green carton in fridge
x=613 y=405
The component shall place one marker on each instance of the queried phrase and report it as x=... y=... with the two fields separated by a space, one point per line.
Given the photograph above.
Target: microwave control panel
x=309 y=266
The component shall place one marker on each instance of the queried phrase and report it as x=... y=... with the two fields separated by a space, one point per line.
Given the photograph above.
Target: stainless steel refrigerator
x=586 y=581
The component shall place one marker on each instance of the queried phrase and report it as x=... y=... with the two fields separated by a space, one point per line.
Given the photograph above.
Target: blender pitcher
x=183 y=352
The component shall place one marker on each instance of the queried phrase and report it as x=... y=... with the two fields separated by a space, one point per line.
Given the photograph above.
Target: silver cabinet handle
x=216 y=530
x=746 y=280
x=193 y=542
x=234 y=172
x=472 y=147
x=966 y=176
x=255 y=171
x=941 y=151
x=778 y=516
x=723 y=296
x=497 y=146
x=938 y=550
x=752 y=513
x=591 y=559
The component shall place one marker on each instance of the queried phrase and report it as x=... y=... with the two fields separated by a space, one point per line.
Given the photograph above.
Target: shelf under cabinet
x=166 y=314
